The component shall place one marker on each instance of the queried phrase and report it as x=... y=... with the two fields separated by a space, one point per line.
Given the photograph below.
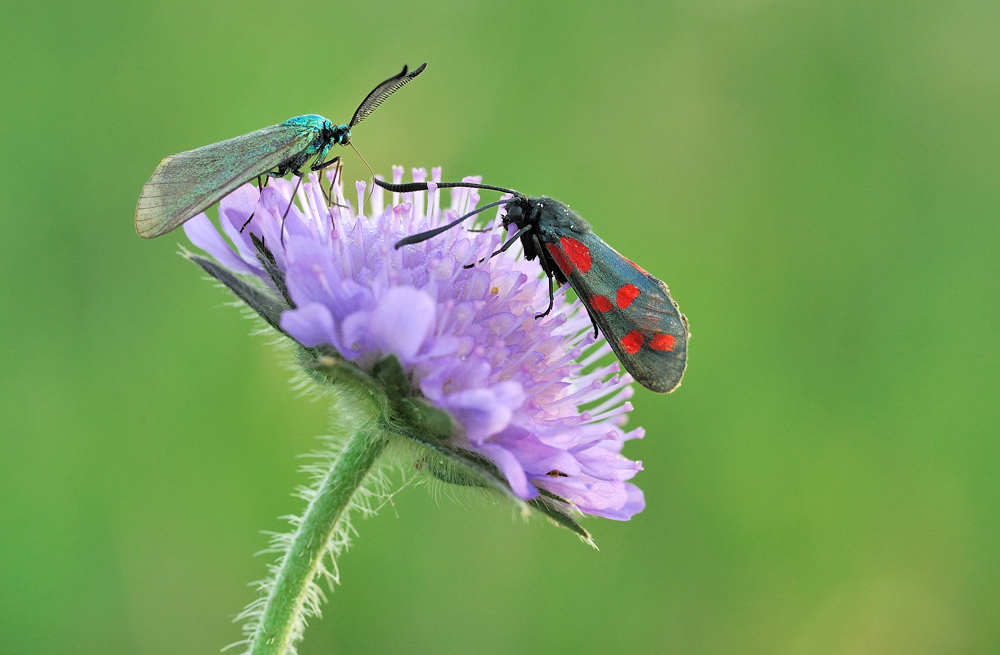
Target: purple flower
x=531 y=396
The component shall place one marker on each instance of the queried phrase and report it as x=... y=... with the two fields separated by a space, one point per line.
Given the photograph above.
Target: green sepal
x=407 y=415
x=410 y=413
x=266 y=259
x=329 y=369
x=268 y=306
x=466 y=468
x=558 y=510
x=403 y=412
x=389 y=371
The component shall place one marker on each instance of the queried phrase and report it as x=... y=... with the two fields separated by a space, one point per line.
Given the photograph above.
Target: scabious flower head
x=531 y=396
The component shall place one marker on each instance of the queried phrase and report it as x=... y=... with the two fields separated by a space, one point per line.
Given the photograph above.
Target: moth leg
x=336 y=161
x=326 y=196
x=548 y=273
x=297 y=174
x=321 y=165
x=260 y=187
x=507 y=244
x=552 y=298
x=338 y=176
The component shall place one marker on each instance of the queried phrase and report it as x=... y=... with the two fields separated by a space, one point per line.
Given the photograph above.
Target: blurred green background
x=817 y=182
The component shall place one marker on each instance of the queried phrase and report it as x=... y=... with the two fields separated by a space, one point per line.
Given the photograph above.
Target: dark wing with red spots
x=632 y=308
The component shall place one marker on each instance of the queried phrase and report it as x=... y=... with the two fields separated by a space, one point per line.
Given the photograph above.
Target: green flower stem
x=302 y=563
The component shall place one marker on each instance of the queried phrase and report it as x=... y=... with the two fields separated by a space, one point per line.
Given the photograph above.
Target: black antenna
x=410 y=187
x=381 y=92
x=429 y=234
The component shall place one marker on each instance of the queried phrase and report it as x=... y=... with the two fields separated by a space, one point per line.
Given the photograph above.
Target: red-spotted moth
x=632 y=308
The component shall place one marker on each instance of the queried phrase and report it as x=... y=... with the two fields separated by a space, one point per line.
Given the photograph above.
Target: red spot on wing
x=559 y=258
x=578 y=253
x=632 y=342
x=626 y=295
x=601 y=303
x=637 y=267
x=663 y=342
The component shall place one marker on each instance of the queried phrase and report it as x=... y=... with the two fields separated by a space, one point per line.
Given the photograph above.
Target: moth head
x=518 y=212
x=341 y=135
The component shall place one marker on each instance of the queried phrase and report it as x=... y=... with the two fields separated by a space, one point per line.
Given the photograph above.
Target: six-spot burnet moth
x=632 y=308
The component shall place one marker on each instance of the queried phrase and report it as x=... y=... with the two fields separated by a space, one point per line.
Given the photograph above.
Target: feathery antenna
x=383 y=91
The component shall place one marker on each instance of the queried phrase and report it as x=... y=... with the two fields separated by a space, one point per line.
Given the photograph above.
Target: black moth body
x=633 y=309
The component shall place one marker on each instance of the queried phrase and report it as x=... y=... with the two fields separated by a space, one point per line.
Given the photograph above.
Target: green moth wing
x=188 y=183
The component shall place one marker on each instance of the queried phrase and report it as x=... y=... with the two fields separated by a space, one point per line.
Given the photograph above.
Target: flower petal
x=635 y=502
x=485 y=412
x=511 y=468
x=203 y=234
x=310 y=325
x=401 y=322
x=234 y=210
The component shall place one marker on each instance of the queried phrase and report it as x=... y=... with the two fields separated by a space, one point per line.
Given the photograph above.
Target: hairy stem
x=281 y=618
